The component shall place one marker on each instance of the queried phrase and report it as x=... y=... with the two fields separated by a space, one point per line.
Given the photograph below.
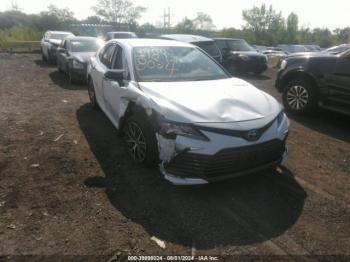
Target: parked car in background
x=290 y=49
x=179 y=108
x=239 y=57
x=74 y=54
x=316 y=79
x=119 y=35
x=207 y=44
x=260 y=48
x=313 y=48
x=274 y=57
x=337 y=49
x=49 y=44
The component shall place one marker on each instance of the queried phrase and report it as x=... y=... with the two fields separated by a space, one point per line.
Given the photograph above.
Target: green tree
x=118 y=12
x=64 y=15
x=292 y=28
x=323 y=37
x=93 y=20
x=203 y=22
x=267 y=25
x=343 y=35
x=186 y=26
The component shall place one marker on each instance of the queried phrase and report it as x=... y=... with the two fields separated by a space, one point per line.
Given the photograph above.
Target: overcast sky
x=225 y=13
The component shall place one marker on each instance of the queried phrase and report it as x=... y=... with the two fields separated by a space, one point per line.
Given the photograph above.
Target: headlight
x=77 y=65
x=280 y=117
x=283 y=64
x=244 y=57
x=173 y=129
x=52 y=46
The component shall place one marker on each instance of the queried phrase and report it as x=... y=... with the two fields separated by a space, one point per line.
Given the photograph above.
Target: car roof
x=60 y=32
x=121 y=32
x=224 y=38
x=81 y=38
x=186 y=38
x=142 y=42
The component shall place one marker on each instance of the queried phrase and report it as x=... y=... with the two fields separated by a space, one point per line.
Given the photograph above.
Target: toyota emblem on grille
x=252 y=135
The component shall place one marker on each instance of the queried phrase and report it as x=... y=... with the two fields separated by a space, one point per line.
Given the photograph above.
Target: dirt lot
x=68 y=188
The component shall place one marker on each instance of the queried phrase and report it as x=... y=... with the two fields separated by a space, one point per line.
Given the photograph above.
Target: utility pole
x=14 y=6
x=166 y=18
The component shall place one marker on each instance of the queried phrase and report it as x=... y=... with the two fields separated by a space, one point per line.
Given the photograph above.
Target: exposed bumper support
x=180 y=181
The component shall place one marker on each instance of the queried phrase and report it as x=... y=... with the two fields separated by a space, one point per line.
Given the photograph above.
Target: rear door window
x=210 y=47
x=221 y=44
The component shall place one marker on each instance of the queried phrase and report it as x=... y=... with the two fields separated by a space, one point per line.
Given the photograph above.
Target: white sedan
x=179 y=109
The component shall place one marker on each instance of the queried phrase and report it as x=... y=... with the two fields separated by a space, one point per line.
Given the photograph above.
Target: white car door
x=112 y=90
x=99 y=65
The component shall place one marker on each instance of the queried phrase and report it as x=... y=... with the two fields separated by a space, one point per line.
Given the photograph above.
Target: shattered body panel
x=213 y=111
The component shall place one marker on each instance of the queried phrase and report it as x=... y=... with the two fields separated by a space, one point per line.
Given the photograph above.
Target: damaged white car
x=178 y=108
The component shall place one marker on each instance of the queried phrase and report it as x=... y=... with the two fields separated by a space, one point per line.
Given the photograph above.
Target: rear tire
x=300 y=97
x=141 y=141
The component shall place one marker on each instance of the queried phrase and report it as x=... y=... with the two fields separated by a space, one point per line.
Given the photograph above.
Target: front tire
x=232 y=68
x=300 y=97
x=71 y=79
x=59 y=68
x=43 y=57
x=92 y=95
x=141 y=141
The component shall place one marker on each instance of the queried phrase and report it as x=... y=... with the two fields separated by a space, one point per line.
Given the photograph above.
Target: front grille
x=227 y=161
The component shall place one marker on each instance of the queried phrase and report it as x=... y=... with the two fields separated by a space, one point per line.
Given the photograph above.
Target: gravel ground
x=68 y=188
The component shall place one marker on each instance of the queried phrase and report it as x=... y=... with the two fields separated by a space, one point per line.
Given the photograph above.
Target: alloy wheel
x=136 y=142
x=297 y=97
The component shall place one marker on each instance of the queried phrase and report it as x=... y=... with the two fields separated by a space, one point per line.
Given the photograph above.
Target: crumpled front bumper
x=223 y=156
x=182 y=180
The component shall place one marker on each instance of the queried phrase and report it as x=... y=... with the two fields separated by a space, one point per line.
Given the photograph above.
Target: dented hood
x=214 y=101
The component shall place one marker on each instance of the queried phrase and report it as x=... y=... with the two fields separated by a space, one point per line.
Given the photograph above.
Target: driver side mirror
x=115 y=74
x=61 y=50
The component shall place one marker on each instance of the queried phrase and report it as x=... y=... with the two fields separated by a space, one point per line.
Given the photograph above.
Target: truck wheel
x=141 y=141
x=232 y=68
x=300 y=97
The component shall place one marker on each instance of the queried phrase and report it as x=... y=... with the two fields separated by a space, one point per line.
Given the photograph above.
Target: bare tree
x=62 y=14
x=203 y=22
x=118 y=11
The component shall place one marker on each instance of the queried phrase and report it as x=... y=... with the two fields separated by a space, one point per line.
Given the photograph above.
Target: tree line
x=263 y=25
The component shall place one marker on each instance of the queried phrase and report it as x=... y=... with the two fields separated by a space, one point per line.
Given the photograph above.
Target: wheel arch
x=299 y=74
x=135 y=109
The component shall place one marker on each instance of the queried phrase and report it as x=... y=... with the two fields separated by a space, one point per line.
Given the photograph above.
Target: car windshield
x=239 y=45
x=337 y=49
x=85 y=45
x=59 y=36
x=170 y=63
x=294 y=48
x=210 y=47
